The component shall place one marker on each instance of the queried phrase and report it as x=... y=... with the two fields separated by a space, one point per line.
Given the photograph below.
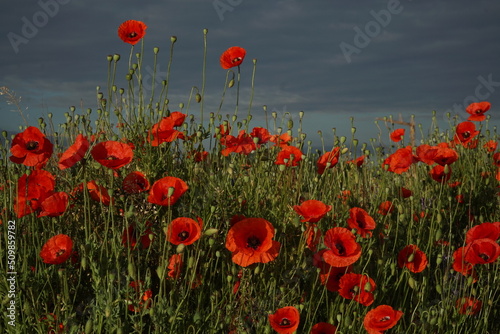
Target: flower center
x=484 y=257
x=386 y=318
x=285 y=322
x=253 y=242
x=479 y=111
x=466 y=134
x=340 y=248
x=32 y=145
x=183 y=235
x=235 y=60
x=132 y=34
x=60 y=252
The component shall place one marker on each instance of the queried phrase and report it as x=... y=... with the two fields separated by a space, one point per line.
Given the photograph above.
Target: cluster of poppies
x=286 y=321
x=443 y=154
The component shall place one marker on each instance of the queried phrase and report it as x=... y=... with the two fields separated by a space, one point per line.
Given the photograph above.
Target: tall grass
x=91 y=292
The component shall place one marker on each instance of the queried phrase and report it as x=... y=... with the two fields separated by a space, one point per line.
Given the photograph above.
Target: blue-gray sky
x=331 y=59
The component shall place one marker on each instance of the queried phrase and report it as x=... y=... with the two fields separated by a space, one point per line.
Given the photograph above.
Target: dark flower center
x=132 y=34
x=111 y=157
x=60 y=252
x=237 y=59
x=253 y=242
x=32 y=145
x=484 y=257
x=340 y=248
x=285 y=322
x=183 y=235
x=466 y=134
x=386 y=318
x=361 y=223
x=479 y=111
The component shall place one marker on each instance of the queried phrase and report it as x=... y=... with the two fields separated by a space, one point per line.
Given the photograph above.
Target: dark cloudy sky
x=411 y=57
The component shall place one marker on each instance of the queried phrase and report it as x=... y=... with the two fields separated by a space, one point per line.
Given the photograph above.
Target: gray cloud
x=430 y=56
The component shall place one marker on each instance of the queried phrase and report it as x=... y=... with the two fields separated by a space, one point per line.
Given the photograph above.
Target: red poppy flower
x=464 y=133
x=50 y=320
x=397 y=135
x=74 y=153
x=358 y=161
x=477 y=110
x=312 y=235
x=281 y=140
x=482 y=251
x=483 y=231
x=400 y=161
x=112 y=154
x=184 y=230
x=343 y=248
x=250 y=241
x=490 y=146
x=439 y=173
x=443 y=155
x=360 y=220
x=328 y=160
x=164 y=132
x=32 y=190
x=98 y=193
x=312 y=210
x=412 y=258
x=232 y=57
x=405 y=193
x=198 y=156
x=135 y=183
x=132 y=31
x=496 y=159
x=289 y=156
x=381 y=318
x=460 y=265
x=54 y=205
x=323 y=328
x=143 y=298
x=167 y=191
x=358 y=288
x=261 y=134
x=385 y=208
x=242 y=144
x=31 y=148
x=57 y=249
x=175 y=264
x=285 y=320
x=328 y=275
x=131 y=234
x=468 y=306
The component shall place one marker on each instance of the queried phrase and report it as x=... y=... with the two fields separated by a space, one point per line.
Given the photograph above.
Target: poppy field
x=146 y=215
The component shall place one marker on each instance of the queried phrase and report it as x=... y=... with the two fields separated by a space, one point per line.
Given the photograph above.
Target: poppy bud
x=116 y=57
x=173 y=39
x=88 y=326
x=342 y=139
x=181 y=105
x=344 y=150
x=109 y=58
x=180 y=248
x=131 y=270
x=301 y=114
x=211 y=231
x=205 y=31
x=290 y=124
x=156 y=50
x=412 y=283
x=198 y=97
x=353 y=130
